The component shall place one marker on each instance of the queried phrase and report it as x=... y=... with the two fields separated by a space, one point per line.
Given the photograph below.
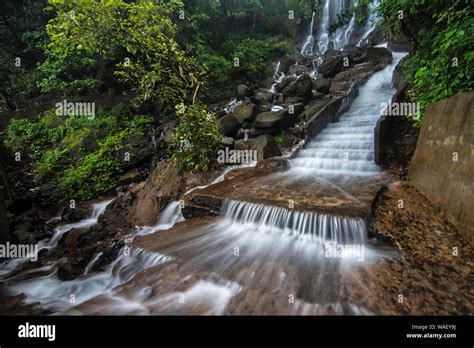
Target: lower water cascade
x=274 y=251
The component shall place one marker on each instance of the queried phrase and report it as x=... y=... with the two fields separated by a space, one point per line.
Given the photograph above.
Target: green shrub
x=255 y=55
x=96 y=172
x=196 y=138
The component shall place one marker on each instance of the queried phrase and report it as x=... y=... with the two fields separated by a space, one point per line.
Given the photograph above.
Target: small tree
x=138 y=38
x=196 y=138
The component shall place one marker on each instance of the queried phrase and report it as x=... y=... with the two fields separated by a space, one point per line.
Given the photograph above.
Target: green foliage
x=442 y=63
x=50 y=162
x=22 y=35
x=23 y=134
x=135 y=38
x=78 y=154
x=94 y=173
x=196 y=138
x=221 y=30
x=219 y=70
x=254 y=56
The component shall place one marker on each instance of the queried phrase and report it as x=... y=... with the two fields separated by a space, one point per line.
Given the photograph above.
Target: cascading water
x=323 y=40
x=11 y=266
x=305 y=225
x=371 y=22
x=43 y=285
x=307 y=49
x=278 y=248
x=331 y=9
x=346 y=147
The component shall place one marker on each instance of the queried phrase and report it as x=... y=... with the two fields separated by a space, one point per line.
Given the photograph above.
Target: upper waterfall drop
x=329 y=13
x=308 y=46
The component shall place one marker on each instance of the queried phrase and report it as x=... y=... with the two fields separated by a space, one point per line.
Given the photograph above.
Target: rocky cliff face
x=442 y=165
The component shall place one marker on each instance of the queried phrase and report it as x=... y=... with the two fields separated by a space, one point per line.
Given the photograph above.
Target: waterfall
x=346 y=147
x=167 y=218
x=306 y=225
x=342 y=36
x=11 y=266
x=232 y=104
x=371 y=21
x=55 y=294
x=277 y=77
x=307 y=49
x=323 y=40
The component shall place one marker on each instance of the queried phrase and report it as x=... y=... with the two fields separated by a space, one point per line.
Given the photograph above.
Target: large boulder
x=332 y=64
x=379 y=55
x=244 y=112
x=272 y=122
x=284 y=82
x=229 y=125
x=243 y=91
x=359 y=71
x=265 y=146
x=285 y=62
x=399 y=79
x=301 y=87
x=340 y=88
x=322 y=85
x=355 y=54
x=165 y=184
x=442 y=167
x=262 y=96
x=140 y=151
x=297 y=69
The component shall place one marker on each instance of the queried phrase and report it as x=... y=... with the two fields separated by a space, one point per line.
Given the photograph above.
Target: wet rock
x=129 y=176
x=295 y=100
x=265 y=146
x=273 y=122
x=273 y=164
x=317 y=95
x=243 y=91
x=73 y=215
x=227 y=141
x=71 y=269
x=340 y=87
x=244 y=111
x=355 y=54
x=314 y=108
x=379 y=55
x=300 y=88
x=399 y=79
x=229 y=125
x=108 y=256
x=395 y=142
x=297 y=69
x=285 y=82
x=322 y=85
x=262 y=96
x=332 y=64
x=361 y=71
x=285 y=62
x=163 y=185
